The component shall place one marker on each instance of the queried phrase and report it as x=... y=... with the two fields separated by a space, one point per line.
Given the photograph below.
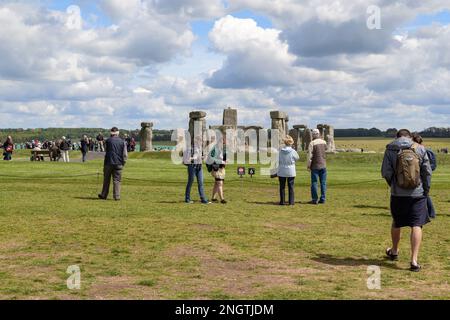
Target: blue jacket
x=286 y=162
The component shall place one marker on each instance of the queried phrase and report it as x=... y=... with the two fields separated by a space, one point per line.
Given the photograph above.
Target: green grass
x=153 y=246
x=379 y=144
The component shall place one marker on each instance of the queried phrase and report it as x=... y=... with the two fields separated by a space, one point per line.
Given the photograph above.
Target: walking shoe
x=415 y=267
x=393 y=257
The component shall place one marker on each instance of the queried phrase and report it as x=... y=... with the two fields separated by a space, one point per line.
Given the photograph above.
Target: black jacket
x=64 y=146
x=84 y=146
x=116 y=152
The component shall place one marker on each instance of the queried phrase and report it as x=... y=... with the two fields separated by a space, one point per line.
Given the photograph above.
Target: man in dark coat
x=115 y=159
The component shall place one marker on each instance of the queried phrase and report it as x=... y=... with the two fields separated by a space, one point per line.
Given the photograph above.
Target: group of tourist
x=286 y=170
x=407 y=168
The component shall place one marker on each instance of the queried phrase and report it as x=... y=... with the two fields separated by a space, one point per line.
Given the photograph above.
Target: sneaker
x=101 y=197
x=206 y=202
x=313 y=202
x=189 y=201
x=223 y=201
x=215 y=200
x=322 y=201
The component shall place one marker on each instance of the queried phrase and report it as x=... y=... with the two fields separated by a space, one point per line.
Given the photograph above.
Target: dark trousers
x=84 y=153
x=7 y=156
x=290 y=183
x=114 y=172
x=431 y=211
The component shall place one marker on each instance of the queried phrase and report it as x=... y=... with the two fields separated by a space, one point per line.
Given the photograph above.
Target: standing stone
x=329 y=138
x=321 y=128
x=197 y=126
x=279 y=123
x=297 y=133
x=230 y=117
x=307 y=138
x=257 y=129
x=294 y=134
x=146 y=136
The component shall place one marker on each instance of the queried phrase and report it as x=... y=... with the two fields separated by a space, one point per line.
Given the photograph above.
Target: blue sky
x=315 y=60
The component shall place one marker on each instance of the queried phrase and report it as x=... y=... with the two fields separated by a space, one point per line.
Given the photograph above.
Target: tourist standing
x=8 y=149
x=115 y=159
x=64 y=146
x=317 y=164
x=407 y=171
x=100 y=142
x=84 y=147
x=193 y=159
x=217 y=160
x=286 y=172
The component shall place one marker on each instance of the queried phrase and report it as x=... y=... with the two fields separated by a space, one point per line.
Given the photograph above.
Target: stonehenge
x=242 y=135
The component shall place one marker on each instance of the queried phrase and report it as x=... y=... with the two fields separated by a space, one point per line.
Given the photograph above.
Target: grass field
x=153 y=246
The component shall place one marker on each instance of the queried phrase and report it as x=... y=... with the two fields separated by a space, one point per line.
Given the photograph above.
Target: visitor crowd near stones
x=59 y=149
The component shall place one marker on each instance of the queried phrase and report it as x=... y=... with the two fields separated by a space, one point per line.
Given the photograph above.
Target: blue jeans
x=195 y=170
x=317 y=175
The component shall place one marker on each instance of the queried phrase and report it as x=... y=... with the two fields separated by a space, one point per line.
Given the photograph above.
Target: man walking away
x=115 y=159
x=193 y=159
x=317 y=164
x=65 y=147
x=101 y=142
x=407 y=171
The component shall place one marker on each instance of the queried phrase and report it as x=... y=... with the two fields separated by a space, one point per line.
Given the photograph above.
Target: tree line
x=74 y=134
x=432 y=132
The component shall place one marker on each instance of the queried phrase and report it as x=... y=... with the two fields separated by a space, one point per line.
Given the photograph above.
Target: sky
x=79 y=63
